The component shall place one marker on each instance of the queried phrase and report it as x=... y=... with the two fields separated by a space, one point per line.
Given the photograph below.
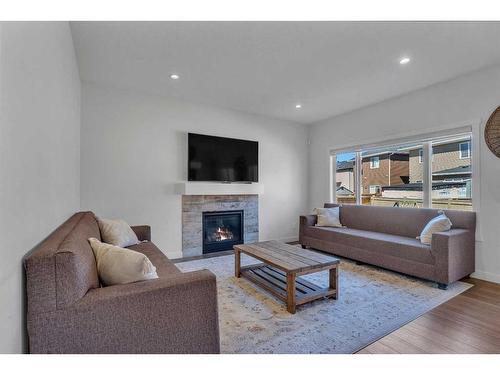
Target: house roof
x=464 y=169
x=342 y=190
x=347 y=164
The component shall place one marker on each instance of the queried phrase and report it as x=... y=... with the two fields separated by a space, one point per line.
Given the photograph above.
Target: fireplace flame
x=222 y=234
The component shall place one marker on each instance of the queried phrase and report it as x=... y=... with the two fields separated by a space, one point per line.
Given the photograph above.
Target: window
x=464 y=148
x=452 y=173
x=374 y=162
x=345 y=187
x=422 y=173
x=392 y=170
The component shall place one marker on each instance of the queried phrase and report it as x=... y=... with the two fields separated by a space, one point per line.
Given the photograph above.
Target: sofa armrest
x=454 y=251
x=308 y=220
x=304 y=222
x=143 y=232
x=177 y=314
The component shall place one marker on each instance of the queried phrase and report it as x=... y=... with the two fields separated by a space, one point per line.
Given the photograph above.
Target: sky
x=346 y=156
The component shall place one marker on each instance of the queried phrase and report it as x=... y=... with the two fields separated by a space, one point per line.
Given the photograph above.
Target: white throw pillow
x=117 y=232
x=116 y=265
x=440 y=223
x=328 y=217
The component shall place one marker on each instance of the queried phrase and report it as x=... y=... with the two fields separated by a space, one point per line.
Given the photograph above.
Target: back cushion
x=407 y=222
x=76 y=270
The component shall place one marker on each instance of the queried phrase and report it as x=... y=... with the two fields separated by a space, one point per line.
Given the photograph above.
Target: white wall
x=39 y=152
x=469 y=97
x=134 y=149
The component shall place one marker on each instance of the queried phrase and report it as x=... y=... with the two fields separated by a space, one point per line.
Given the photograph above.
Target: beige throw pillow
x=117 y=232
x=328 y=217
x=440 y=223
x=116 y=265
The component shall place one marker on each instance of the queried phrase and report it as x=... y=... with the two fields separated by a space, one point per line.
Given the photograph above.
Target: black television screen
x=222 y=159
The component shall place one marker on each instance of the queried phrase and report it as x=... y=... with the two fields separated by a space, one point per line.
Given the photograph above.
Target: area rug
x=373 y=302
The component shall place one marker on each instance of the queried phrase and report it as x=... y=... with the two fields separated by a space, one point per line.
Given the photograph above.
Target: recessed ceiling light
x=174 y=76
x=404 y=60
x=298 y=106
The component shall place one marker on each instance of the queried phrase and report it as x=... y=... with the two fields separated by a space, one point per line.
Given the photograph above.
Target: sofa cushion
x=440 y=223
x=117 y=265
x=388 y=244
x=328 y=217
x=164 y=266
x=117 y=232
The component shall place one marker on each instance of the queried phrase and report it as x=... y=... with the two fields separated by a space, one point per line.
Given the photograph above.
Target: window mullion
x=358 y=182
x=333 y=178
x=427 y=174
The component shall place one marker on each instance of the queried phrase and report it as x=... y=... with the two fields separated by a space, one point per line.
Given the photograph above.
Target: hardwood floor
x=468 y=323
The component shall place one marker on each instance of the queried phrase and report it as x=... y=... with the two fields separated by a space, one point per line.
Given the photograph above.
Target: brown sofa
x=68 y=312
x=386 y=237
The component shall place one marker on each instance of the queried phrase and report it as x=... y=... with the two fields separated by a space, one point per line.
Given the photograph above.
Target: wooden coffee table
x=282 y=264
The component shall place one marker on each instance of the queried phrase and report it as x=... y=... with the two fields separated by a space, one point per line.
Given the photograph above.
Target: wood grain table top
x=288 y=258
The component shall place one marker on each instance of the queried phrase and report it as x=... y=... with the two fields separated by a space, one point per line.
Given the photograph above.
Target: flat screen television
x=222 y=159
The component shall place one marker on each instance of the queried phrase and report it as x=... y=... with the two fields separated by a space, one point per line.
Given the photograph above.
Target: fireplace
x=222 y=230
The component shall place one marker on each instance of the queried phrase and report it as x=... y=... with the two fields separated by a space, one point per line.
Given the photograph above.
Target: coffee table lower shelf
x=282 y=284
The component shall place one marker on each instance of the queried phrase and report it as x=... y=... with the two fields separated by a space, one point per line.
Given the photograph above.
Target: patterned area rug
x=373 y=302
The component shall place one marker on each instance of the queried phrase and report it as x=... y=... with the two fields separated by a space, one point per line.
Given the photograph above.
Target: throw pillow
x=440 y=223
x=117 y=232
x=116 y=265
x=328 y=217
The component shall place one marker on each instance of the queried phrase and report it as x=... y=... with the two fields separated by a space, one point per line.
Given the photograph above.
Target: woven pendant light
x=492 y=132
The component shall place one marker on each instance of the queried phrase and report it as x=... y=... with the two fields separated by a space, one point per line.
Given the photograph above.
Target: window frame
x=377 y=187
x=472 y=129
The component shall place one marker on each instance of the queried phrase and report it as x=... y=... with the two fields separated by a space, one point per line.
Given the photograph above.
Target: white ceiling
x=268 y=67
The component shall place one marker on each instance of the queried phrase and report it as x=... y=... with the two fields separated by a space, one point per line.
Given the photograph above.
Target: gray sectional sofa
x=386 y=237
x=68 y=311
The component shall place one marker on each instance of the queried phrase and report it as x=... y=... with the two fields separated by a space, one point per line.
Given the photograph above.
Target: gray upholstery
x=386 y=237
x=382 y=243
x=67 y=311
x=164 y=267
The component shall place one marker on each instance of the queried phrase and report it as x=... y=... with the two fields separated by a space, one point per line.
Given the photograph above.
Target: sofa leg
x=304 y=246
x=442 y=286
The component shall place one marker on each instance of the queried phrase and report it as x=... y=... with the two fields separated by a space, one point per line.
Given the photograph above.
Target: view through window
x=345 y=187
x=394 y=175
x=452 y=173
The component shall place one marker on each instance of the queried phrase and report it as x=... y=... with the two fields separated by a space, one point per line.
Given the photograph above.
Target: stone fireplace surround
x=193 y=207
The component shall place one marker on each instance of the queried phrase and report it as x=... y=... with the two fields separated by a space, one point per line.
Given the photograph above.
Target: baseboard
x=487 y=276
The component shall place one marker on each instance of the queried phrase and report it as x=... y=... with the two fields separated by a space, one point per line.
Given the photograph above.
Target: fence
x=445 y=204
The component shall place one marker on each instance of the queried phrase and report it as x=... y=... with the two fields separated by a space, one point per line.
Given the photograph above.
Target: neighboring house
x=450 y=161
x=451 y=172
x=345 y=176
x=384 y=169
x=462 y=173
x=343 y=191
x=399 y=174
x=440 y=190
